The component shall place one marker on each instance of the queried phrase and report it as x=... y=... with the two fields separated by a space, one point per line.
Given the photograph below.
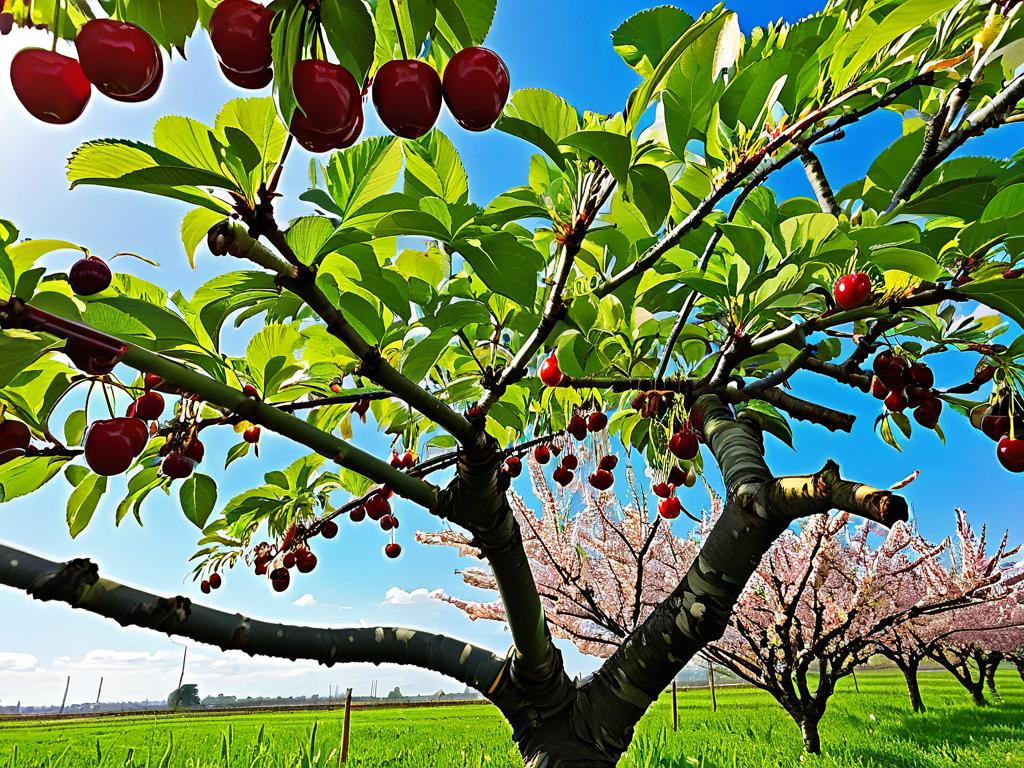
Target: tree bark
x=994 y=661
x=811 y=736
x=913 y=687
x=978 y=693
x=1019 y=663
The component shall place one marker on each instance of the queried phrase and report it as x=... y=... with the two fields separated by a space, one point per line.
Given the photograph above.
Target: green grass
x=869 y=729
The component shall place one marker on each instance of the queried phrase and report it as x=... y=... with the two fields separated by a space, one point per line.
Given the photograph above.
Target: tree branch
x=819 y=181
x=78 y=584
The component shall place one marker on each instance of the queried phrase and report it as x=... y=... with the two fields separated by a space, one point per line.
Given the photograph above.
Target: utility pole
x=181 y=677
x=345 y=727
x=100 y=691
x=67 y=687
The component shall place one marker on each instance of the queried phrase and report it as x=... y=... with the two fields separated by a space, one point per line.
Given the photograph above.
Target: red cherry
x=150 y=91
x=917 y=396
x=393 y=550
x=306 y=561
x=851 y=291
x=892 y=370
x=252 y=81
x=897 y=401
x=921 y=375
x=597 y=421
x=251 y=435
x=250 y=391
x=205 y=587
x=358 y=514
x=514 y=466
x=542 y=454
x=608 y=462
x=1011 y=454
x=996 y=427
x=670 y=508
x=195 y=450
x=562 y=476
x=394 y=521
x=94 y=358
x=678 y=476
x=927 y=414
x=6 y=22
x=663 y=490
x=550 y=373
x=119 y=58
x=396 y=460
x=111 y=445
x=329 y=529
x=215 y=581
x=240 y=33
x=51 y=86
x=387 y=523
x=408 y=460
x=476 y=86
x=89 y=276
x=327 y=94
x=577 y=427
x=684 y=445
x=152 y=381
x=555 y=449
x=312 y=139
x=14 y=440
x=177 y=466
x=149 y=407
x=878 y=389
x=280 y=579
x=261 y=566
x=602 y=480
x=570 y=461
x=360 y=408
x=407 y=95
x=377 y=506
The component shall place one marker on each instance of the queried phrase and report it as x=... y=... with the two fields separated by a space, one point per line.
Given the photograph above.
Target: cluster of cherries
x=407 y=93
x=684 y=445
x=998 y=425
x=120 y=59
x=579 y=427
x=213 y=582
x=902 y=385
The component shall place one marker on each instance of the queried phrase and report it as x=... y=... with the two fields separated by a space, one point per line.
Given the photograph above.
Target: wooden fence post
x=345 y=727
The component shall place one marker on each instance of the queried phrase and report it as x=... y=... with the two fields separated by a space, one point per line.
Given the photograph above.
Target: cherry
x=927 y=414
x=280 y=579
x=677 y=476
x=14 y=440
x=360 y=408
x=550 y=373
x=329 y=529
x=891 y=369
x=387 y=523
x=555 y=449
x=149 y=407
x=177 y=466
x=152 y=381
x=917 y=396
x=119 y=58
x=377 y=506
x=51 y=86
x=571 y=461
x=577 y=427
x=195 y=450
x=92 y=357
x=89 y=276
x=358 y=514
x=262 y=564
x=1011 y=454
x=393 y=550
x=111 y=445
x=476 y=86
x=684 y=445
x=670 y=508
x=897 y=401
x=602 y=480
x=996 y=427
x=663 y=490
x=597 y=421
x=311 y=138
x=205 y=587
x=514 y=466
x=6 y=23
x=251 y=435
x=851 y=291
x=306 y=561
x=562 y=476
x=327 y=94
x=608 y=462
x=542 y=454
x=407 y=95
x=215 y=581
x=921 y=375
x=250 y=391
x=150 y=91
x=878 y=389
x=289 y=560
x=240 y=33
x=252 y=81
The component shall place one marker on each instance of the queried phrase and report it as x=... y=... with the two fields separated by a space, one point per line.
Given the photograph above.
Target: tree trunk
x=809 y=731
x=978 y=693
x=913 y=687
x=990 y=675
x=1020 y=667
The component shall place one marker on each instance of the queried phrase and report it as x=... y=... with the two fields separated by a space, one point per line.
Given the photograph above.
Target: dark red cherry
x=111 y=445
x=329 y=529
x=996 y=427
x=215 y=581
x=119 y=58
x=542 y=454
x=306 y=561
x=663 y=490
x=570 y=461
x=377 y=506
x=670 y=508
x=514 y=466
x=14 y=440
x=6 y=23
x=393 y=550
x=240 y=33
x=927 y=414
x=921 y=375
x=577 y=427
x=177 y=466
x=851 y=291
x=407 y=95
x=1011 y=454
x=251 y=435
x=92 y=357
x=205 y=587
x=280 y=579
x=602 y=480
x=327 y=94
x=251 y=81
x=358 y=514
x=562 y=476
x=917 y=396
x=89 y=276
x=608 y=462
x=149 y=407
x=597 y=421
x=311 y=138
x=387 y=523
x=51 y=86
x=195 y=450
x=476 y=87
x=684 y=445
x=897 y=401
x=878 y=389
x=894 y=371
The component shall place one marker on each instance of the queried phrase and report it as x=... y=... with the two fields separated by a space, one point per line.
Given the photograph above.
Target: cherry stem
x=275 y=179
x=398 y=29
x=56 y=25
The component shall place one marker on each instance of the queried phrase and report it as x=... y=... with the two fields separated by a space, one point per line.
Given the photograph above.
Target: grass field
x=870 y=729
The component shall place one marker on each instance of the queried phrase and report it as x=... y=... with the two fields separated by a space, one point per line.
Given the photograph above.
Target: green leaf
x=19 y=349
x=351 y=34
x=198 y=497
x=648 y=189
x=416 y=18
x=463 y=23
x=1006 y=204
x=307 y=236
x=906 y=260
x=286 y=44
x=361 y=174
x=74 y=427
x=643 y=40
x=194 y=227
x=612 y=149
x=770 y=420
x=1006 y=296
x=169 y=22
x=257 y=121
x=24 y=475
x=433 y=168
x=83 y=502
x=505 y=264
x=541 y=118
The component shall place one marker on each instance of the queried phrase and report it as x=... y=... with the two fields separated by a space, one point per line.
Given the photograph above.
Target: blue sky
x=562 y=46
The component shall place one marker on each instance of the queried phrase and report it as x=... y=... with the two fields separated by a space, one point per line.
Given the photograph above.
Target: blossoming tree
x=645 y=269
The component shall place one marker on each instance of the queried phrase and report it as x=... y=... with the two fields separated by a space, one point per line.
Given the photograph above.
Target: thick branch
x=819 y=182
x=78 y=584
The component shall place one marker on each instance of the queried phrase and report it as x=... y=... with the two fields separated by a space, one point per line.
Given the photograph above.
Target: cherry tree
x=646 y=272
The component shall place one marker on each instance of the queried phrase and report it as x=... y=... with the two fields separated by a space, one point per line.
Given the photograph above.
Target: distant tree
x=396 y=693
x=185 y=697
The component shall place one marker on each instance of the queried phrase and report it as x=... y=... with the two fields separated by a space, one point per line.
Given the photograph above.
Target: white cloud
x=17 y=662
x=398 y=596
x=306 y=601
